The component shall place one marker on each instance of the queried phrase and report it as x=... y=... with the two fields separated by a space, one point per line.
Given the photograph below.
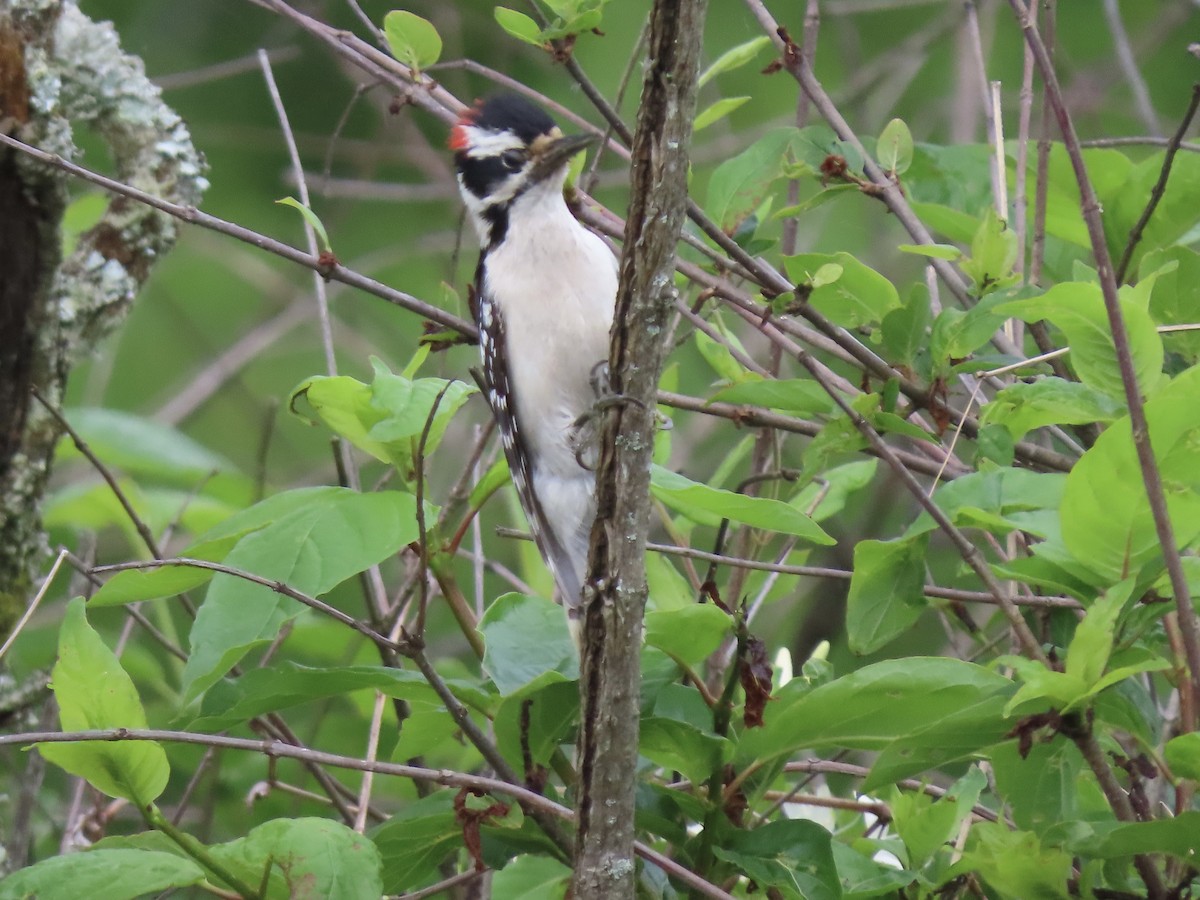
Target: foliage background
x=223 y=332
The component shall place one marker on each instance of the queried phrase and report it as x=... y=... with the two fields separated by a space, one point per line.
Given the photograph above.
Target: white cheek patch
x=483 y=142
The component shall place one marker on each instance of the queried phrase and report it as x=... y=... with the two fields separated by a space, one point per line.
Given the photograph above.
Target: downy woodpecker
x=545 y=289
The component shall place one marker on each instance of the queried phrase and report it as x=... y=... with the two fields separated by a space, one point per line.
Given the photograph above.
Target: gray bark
x=615 y=596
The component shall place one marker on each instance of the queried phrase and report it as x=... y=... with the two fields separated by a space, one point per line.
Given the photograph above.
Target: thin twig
x=1151 y=477
x=191 y=215
x=446 y=884
x=1147 y=141
x=1129 y=67
x=930 y=590
x=227 y=69
x=969 y=552
x=422 y=532
x=278 y=586
x=277 y=749
x=1160 y=186
x=990 y=112
x=368 y=780
x=34 y=603
x=142 y=528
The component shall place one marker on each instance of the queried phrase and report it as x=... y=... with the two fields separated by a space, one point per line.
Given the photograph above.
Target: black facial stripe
x=481 y=175
x=497 y=217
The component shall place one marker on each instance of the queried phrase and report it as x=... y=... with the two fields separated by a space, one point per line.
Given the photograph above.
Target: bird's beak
x=558 y=151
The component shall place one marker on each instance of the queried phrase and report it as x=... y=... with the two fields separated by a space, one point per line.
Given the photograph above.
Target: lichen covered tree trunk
x=60 y=71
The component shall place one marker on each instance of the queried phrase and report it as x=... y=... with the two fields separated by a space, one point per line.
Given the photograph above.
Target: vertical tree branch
x=615 y=595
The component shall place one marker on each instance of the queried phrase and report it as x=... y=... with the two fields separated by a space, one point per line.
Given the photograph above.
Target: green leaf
x=925 y=824
x=959 y=734
x=1179 y=836
x=792 y=854
x=682 y=747
x=286 y=684
x=1042 y=686
x=932 y=251
x=314 y=222
x=413 y=40
x=953 y=176
x=874 y=706
x=531 y=876
x=1105 y=516
x=520 y=26
x=312 y=549
x=1088 y=652
x=689 y=634
x=493 y=479
x=1016 y=864
x=1040 y=787
x=213 y=546
x=526 y=640
x=995 y=500
x=1078 y=309
x=906 y=330
x=993 y=254
x=719 y=356
x=416 y=840
x=1175 y=299
x=101 y=875
x=861 y=296
x=387 y=417
x=894 y=149
x=994 y=444
x=1183 y=755
x=587 y=20
x=1175 y=215
x=951 y=223
x=310 y=857
x=539 y=719
x=887 y=591
x=709 y=505
x=836 y=487
x=793 y=395
x=738 y=185
x=166 y=581
x=864 y=877
x=734 y=58
x=717 y=111
x=836 y=440
x=870 y=406
x=145 y=449
x=1026 y=405
x=93 y=692
x=957 y=334
x=827 y=274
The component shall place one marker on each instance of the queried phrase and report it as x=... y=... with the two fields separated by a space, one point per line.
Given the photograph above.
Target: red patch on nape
x=458 y=136
x=459 y=139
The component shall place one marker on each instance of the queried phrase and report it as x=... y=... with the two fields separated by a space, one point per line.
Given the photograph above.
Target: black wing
x=520 y=462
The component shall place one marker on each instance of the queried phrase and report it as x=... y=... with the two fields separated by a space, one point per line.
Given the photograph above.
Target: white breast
x=555 y=283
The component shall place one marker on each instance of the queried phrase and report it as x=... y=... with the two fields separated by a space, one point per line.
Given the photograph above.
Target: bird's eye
x=513 y=159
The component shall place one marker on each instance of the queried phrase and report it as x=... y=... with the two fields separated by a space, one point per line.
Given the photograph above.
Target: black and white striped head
x=509 y=151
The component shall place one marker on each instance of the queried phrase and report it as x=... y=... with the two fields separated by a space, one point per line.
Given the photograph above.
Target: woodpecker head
x=509 y=155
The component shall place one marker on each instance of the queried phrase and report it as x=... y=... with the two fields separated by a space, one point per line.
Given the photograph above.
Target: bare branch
x=194 y=216
x=1160 y=186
